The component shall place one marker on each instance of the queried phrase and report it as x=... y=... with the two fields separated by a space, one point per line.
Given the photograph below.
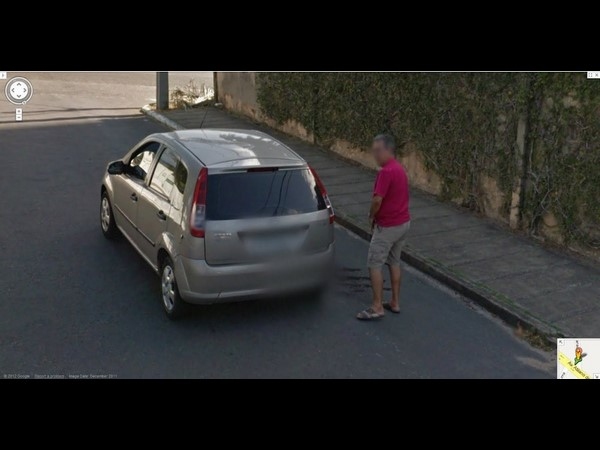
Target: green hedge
x=465 y=126
x=564 y=174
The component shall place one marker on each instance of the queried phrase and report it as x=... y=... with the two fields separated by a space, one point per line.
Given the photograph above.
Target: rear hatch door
x=260 y=213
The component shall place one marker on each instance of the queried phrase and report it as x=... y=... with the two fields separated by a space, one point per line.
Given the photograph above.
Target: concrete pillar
x=216 y=87
x=523 y=155
x=516 y=201
x=162 y=91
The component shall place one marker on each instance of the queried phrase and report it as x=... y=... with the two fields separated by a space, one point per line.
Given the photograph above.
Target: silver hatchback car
x=221 y=215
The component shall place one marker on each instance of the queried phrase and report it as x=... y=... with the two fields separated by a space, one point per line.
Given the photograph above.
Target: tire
x=172 y=303
x=107 y=218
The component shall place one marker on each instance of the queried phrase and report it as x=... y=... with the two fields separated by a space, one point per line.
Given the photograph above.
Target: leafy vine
x=465 y=127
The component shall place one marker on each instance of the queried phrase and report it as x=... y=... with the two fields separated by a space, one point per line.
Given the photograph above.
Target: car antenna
x=202 y=121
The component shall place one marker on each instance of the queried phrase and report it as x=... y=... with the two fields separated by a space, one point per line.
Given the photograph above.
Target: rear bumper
x=201 y=284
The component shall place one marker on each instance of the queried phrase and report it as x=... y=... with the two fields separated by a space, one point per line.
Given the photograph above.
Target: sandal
x=389 y=308
x=369 y=314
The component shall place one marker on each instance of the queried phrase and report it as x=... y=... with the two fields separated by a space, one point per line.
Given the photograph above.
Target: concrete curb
x=492 y=301
x=160 y=118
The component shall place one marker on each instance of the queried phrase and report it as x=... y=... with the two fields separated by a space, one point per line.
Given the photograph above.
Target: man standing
x=390 y=221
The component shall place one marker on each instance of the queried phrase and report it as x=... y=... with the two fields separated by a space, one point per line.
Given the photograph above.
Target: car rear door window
x=163 y=178
x=181 y=175
x=262 y=194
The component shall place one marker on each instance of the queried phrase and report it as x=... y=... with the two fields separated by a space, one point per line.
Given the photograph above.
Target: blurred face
x=381 y=153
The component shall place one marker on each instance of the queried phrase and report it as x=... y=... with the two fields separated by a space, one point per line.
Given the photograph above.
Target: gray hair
x=388 y=140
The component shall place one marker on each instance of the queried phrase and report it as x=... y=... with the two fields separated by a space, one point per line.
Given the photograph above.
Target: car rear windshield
x=269 y=193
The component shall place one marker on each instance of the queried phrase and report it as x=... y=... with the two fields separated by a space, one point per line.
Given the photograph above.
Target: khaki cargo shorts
x=386 y=245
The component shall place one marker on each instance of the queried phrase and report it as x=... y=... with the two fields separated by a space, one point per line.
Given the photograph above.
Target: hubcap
x=105 y=214
x=168 y=287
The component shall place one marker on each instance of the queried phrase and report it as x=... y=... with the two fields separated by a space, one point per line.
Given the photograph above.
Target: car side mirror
x=116 y=168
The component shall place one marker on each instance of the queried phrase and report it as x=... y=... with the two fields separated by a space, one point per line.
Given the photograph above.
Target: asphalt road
x=74 y=303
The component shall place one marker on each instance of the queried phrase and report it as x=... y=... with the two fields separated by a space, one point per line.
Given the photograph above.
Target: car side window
x=181 y=175
x=163 y=178
x=141 y=161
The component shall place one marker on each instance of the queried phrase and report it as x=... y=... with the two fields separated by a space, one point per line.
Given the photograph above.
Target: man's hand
x=375 y=205
x=371 y=223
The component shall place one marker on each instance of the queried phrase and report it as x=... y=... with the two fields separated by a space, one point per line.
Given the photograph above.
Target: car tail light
x=324 y=194
x=198 y=214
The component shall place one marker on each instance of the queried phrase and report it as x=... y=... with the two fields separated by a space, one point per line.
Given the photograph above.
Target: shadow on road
x=10 y=119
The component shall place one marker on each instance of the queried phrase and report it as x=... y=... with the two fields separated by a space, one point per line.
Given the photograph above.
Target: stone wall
x=237 y=92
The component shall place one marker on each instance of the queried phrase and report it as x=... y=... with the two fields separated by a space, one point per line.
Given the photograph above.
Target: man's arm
x=382 y=186
x=375 y=205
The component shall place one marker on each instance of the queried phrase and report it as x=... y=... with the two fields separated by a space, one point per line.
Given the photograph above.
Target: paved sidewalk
x=512 y=276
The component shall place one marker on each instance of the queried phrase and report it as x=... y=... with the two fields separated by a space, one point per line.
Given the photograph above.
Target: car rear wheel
x=172 y=302
x=107 y=219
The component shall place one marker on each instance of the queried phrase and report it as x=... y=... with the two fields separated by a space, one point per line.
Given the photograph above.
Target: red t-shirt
x=391 y=184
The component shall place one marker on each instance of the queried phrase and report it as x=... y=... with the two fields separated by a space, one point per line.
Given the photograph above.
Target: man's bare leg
x=377 y=286
x=396 y=279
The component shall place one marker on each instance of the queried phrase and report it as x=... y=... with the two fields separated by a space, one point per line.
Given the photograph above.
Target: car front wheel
x=172 y=302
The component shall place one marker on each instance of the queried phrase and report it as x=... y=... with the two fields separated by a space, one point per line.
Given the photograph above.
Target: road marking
x=568 y=364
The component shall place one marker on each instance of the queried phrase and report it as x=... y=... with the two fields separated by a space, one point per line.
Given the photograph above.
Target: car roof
x=231 y=147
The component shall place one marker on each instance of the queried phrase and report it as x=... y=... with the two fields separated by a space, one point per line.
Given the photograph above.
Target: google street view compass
x=18 y=90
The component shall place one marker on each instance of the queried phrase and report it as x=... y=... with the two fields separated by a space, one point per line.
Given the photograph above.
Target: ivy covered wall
x=534 y=139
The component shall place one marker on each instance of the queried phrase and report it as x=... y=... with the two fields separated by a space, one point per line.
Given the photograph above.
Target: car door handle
x=133 y=197
x=161 y=215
